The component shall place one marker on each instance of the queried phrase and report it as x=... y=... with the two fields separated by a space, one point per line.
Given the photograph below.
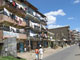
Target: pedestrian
x=37 y=53
x=25 y=48
x=62 y=45
x=41 y=53
x=79 y=44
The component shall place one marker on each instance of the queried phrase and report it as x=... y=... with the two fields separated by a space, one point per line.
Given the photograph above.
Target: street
x=71 y=53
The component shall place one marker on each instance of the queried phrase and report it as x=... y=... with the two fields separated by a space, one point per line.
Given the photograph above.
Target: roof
x=30 y=5
x=27 y=3
x=41 y=14
x=33 y=7
x=60 y=27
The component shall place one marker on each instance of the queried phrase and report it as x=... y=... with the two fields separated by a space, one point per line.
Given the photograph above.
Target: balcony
x=44 y=36
x=43 y=22
x=36 y=29
x=35 y=39
x=30 y=16
x=22 y=36
x=4 y=18
x=14 y=10
x=36 y=18
x=9 y=21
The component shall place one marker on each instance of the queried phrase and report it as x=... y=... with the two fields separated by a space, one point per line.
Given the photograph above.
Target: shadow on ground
x=77 y=54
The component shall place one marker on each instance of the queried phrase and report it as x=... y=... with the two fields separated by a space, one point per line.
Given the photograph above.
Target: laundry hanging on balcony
x=20 y=6
x=12 y=29
x=6 y=12
x=32 y=24
x=37 y=24
x=34 y=13
x=19 y=19
x=37 y=14
x=46 y=36
x=32 y=34
x=13 y=3
x=22 y=30
x=12 y=15
x=10 y=1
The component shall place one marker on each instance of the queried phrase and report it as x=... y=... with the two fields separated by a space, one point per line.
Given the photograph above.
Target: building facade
x=76 y=36
x=20 y=19
x=61 y=34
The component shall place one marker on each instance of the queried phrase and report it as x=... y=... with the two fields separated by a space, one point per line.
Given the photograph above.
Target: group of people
x=39 y=53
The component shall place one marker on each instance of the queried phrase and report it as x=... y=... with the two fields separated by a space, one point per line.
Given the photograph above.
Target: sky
x=60 y=12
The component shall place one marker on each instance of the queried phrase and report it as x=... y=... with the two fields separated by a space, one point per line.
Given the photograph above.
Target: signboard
x=10 y=34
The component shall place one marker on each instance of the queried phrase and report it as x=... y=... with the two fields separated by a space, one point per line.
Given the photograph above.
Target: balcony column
x=29 y=45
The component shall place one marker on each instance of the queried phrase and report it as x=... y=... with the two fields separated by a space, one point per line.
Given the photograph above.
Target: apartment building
x=61 y=34
x=51 y=40
x=76 y=35
x=20 y=19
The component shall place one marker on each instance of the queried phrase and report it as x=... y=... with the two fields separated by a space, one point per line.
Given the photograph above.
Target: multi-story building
x=61 y=34
x=51 y=40
x=76 y=35
x=72 y=37
x=20 y=19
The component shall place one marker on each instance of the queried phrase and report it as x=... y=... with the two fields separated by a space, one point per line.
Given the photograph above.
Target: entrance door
x=1 y=45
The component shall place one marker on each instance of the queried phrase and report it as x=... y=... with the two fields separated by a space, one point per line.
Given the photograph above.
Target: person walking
x=41 y=53
x=79 y=44
x=37 y=53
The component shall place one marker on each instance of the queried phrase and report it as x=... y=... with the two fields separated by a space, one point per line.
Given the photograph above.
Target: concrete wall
x=60 y=33
x=1 y=1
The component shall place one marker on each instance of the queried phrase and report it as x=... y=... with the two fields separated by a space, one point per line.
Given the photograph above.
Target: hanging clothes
x=42 y=34
x=38 y=15
x=10 y=1
x=12 y=15
x=16 y=18
x=22 y=30
x=6 y=12
x=32 y=34
x=31 y=24
x=20 y=6
x=12 y=29
x=34 y=13
x=20 y=21
x=25 y=9
x=37 y=24
x=13 y=3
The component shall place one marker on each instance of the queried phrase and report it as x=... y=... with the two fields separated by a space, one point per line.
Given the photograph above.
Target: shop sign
x=10 y=34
